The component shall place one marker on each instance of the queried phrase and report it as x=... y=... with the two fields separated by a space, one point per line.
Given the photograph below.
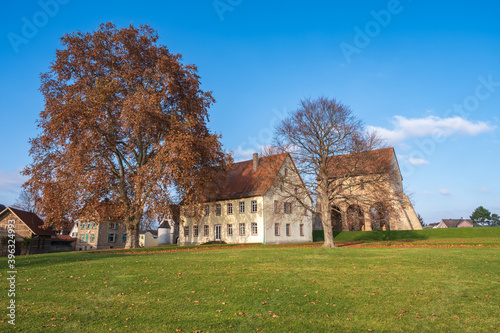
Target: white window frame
x=253 y=206
x=254 y=229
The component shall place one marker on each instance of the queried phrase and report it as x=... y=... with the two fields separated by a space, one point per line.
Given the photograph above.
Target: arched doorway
x=336 y=217
x=379 y=217
x=355 y=218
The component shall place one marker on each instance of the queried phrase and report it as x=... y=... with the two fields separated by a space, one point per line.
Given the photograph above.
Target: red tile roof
x=63 y=238
x=243 y=182
x=32 y=221
x=363 y=163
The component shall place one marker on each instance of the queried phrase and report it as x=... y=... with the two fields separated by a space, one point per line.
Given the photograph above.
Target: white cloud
x=417 y=161
x=484 y=189
x=241 y=154
x=405 y=128
x=445 y=191
x=426 y=192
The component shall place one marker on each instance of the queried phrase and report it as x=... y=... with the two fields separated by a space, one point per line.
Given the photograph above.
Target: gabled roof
x=32 y=221
x=454 y=223
x=368 y=162
x=243 y=182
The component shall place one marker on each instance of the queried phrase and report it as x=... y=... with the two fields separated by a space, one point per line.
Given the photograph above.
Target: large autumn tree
x=316 y=132
x=124 y=130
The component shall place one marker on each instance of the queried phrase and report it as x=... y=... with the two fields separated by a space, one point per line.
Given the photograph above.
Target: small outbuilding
x=30 y=235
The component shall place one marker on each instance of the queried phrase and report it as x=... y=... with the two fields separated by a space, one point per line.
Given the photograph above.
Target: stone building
x=250 y=208
x=368 y=193
x=26 y=226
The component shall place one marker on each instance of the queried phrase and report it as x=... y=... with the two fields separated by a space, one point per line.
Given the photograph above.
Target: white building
x=252 y=208
x=148 y=238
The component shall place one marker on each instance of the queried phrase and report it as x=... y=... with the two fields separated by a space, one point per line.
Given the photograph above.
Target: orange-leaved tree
x=124 y=123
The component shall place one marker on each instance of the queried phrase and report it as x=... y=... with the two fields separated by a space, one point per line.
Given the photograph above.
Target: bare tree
x=26 y=201
x=328 y=145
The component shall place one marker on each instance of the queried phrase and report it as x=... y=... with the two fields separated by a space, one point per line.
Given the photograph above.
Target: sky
x=423 y=74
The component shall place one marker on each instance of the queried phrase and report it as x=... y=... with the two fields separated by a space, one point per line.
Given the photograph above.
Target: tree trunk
x=326 y=221
x=326 y=218
x=133 y=233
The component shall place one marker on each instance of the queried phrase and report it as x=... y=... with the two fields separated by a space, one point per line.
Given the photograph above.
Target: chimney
x=255 y=161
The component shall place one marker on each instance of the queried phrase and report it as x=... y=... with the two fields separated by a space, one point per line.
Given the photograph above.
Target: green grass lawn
x=492 y=234
x=268 y=288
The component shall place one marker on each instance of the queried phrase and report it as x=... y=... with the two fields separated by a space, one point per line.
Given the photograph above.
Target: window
x=296 y=190
x=242 y=229
x=254 y=206
x=254 y=228
x=286 y=171
x=207 y=210
x=229 y=208
x=81 y=238
x=195 y=231
x=281 y=188
x=301 y=228
x=306 y=211
x=186 y=231
x=94 y=225
x=276 y=207
x=276 y=229
x=92 y=238
x=112 y=225
x=287 y=229
x=288 y=207
x=84 y=225
x=111 y=238
x=86 y=238
x=206 y=230
x=229 y=229
x=242 y=207
x=362 y=186
x=217 y=209
x=124 y=238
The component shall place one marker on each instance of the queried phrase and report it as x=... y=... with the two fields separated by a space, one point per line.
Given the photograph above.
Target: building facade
x=148 y=238
x=30 y=235
x=368 y=193
x=99 y=236
x=250 y=208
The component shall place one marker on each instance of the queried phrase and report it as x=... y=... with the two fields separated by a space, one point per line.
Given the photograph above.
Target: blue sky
x=424 y=74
